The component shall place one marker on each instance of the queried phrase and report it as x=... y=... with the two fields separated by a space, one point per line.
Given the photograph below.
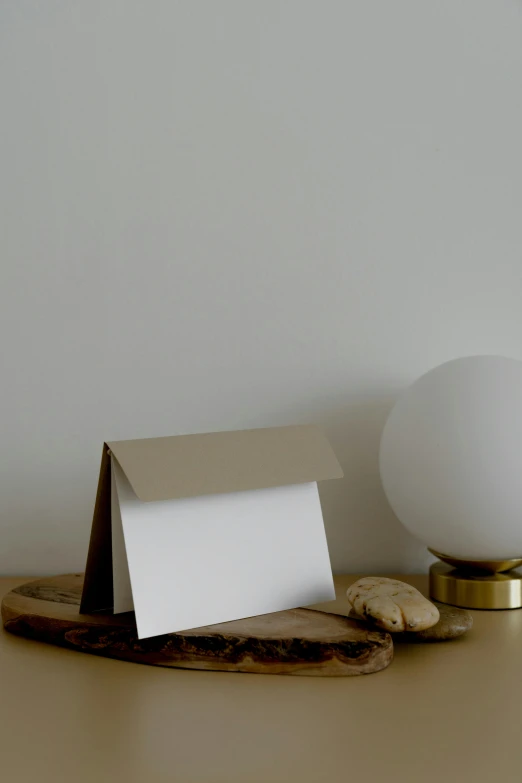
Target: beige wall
x=217 y=215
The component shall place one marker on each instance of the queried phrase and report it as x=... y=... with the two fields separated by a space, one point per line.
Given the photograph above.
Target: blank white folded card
x=193 y=530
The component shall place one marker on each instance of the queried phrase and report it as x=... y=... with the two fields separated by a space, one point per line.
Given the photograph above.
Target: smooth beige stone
x=392 y=605
x=453 y=623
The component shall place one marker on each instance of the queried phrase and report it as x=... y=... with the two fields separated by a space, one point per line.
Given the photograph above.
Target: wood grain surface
x=297 y=641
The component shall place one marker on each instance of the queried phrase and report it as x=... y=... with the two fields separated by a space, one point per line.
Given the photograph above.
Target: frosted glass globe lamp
x=451 y=468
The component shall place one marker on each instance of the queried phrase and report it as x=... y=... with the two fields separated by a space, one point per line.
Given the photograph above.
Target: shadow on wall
x=364 y=535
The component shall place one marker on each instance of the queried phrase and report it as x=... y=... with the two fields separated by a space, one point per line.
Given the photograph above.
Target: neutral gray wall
x=231 y=214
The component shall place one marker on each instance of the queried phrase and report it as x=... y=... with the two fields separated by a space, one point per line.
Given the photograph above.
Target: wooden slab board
x=297 y=641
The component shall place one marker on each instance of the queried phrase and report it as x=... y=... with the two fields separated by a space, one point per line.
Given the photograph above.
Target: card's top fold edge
x=183 y=466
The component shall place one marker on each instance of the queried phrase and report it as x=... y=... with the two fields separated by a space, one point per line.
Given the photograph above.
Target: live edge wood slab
x=298 y=641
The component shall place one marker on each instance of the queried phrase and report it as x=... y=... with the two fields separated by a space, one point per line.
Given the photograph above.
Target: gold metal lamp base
x=476 y=584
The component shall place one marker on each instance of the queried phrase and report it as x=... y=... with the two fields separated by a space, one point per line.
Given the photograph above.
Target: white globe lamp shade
x=451 y=458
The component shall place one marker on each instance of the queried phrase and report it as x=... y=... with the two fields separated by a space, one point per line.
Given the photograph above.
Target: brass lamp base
x=476 y=584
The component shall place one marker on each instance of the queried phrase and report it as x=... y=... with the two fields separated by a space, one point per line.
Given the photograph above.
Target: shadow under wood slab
x=296 y=641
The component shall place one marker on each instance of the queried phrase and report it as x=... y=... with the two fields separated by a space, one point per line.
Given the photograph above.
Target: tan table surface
x=449 y=711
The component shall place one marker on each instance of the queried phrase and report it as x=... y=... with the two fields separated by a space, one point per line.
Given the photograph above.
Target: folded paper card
x=193 y=530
